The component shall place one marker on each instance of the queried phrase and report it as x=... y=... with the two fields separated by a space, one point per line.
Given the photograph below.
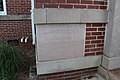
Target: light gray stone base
x=111 y=63
x=99 y=77
x=108 y=75
x=67 y=65
x=104 y=73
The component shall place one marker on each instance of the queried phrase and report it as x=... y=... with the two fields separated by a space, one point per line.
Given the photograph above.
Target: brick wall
x=83 y=4
x=94 y=39
x=16 y=7
x=69 y=75
x=14 y=29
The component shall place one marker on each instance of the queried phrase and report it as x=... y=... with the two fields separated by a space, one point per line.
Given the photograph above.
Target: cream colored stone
x=67 y=65
x=111 y=63
x=52 y=15
x=39 y=16
x=63 y=16
x=93 y=16
x=60 y=41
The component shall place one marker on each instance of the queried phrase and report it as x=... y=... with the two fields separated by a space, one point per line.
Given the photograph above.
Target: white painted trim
x=67 y=65
x=4 y=7
x=32 y=20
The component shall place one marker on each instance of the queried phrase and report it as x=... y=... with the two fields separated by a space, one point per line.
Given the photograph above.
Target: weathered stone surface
x=51 y=15
x=60 y=41
x=111 y=60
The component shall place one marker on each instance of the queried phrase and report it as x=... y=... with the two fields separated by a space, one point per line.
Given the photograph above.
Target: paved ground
x=99 y=77
x=115 y=74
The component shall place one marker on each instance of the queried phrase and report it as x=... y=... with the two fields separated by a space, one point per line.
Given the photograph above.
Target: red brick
x=88 y=33
x=87 y=50
x=18 y=7
x=91 y=38
x=89 y=46
x=51 y=6
x=100 y=45
x=91 y=29
x=14 y=30
x=90 y=54
x=52 y=77
x=58 y=1
x=86 y=1
x=97 y=25
x=66 y=6
x=99 y=2
x=43 y=1
x=93 y=7
x=75 y=73
x=99 y=53
x=97 y=49
x=101 y=29
x=87 y=42
x=64 y=75
x=72 y=77
x=96 y=33
x=96 y=41
x=88 y=25
x=100 y=37
x=80 y=6
x=73 y=1
x=103 y=7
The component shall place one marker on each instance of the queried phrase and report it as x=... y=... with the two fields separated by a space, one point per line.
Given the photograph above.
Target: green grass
x=11 y=61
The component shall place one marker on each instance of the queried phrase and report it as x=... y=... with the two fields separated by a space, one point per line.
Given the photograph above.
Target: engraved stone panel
x=60 y=41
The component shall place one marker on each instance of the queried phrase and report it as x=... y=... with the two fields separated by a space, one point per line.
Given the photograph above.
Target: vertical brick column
x=94 y=39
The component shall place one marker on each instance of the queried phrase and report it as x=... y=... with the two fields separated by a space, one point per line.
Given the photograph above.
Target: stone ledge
x=110 y=63
x=67 y=65
x=45 y=16
x=15 y=17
